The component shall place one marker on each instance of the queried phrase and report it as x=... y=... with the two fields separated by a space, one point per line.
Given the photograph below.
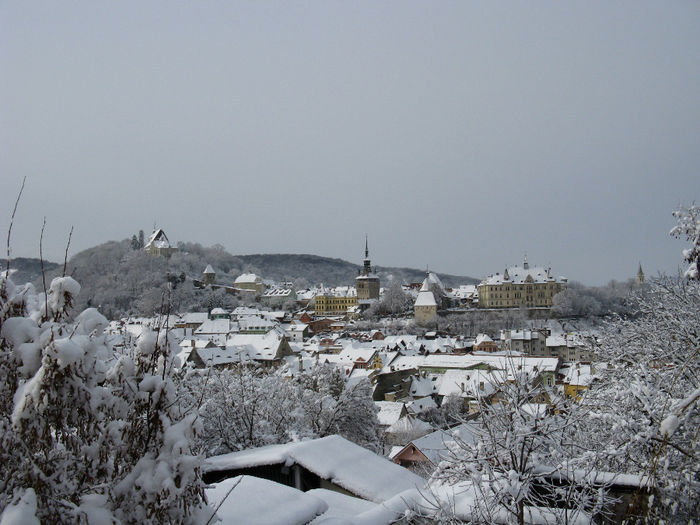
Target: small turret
x=208 y=275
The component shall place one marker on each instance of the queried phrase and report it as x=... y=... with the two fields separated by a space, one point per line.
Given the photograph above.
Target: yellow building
x=335 y=302
x=520 y=286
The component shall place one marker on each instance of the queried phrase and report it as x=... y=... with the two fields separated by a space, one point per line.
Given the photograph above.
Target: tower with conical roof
x=367 y=282
x=208 y=275
x=425 y=308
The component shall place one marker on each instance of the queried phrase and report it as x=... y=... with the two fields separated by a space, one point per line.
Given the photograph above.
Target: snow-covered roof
x=424 y=386
x=259 y=347
x=158 y=239
x=579 y=375
x=278 y=292
x=194 y=317
x=250 y=322
x=334 y=458
x=482 y=338
x=425 y=298
x=216 y=326
x=498 y=361
x=195 y=342
x=421 y=405
x=465 y=291
x=340 y=506
x=249 y=278
x=472 y=383
x=208 y=269
x=216 y=356
x=432 y=446
x=389 y=412
x=410 y=425
x=522 y=274
x=247 y=499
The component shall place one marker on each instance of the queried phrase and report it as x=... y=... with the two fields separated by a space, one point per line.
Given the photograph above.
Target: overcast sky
x=458 y=135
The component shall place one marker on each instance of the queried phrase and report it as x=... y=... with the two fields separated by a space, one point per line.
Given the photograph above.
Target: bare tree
x=523 y=460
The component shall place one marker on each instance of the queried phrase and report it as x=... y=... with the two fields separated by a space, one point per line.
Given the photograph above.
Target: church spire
x=367 y=266
x=640 y=275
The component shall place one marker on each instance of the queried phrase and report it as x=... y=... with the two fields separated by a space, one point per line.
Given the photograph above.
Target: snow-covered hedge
x=88 y=435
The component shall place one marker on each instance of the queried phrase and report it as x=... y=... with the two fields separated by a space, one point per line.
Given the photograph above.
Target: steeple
x=366 y=283
x=368 y=266
x=526 y=265
x=640 y=275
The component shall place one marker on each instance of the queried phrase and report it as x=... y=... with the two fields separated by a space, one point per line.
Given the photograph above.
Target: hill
x=120 y=280
x=27 y=269
x=334 y=272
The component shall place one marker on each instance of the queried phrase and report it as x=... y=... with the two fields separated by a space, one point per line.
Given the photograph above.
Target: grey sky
x=456 y=134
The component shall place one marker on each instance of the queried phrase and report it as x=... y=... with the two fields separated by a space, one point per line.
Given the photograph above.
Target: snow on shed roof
x=257 y=500
x=339 y=506
x=334 y=458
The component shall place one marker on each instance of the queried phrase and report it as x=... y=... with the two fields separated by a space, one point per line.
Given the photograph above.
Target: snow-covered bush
x=87 y=435
x=688 y=227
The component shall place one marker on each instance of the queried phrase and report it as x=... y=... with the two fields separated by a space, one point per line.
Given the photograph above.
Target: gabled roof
x=434 y=445
x=259 y=347
x=389 y=412
x=158 y=239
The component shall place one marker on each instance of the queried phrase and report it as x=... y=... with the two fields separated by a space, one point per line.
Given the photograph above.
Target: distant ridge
x=335 y=272
x=27 y=269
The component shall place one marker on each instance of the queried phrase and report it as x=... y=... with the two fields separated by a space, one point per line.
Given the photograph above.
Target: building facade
x=335 y=302
x=520 y=286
